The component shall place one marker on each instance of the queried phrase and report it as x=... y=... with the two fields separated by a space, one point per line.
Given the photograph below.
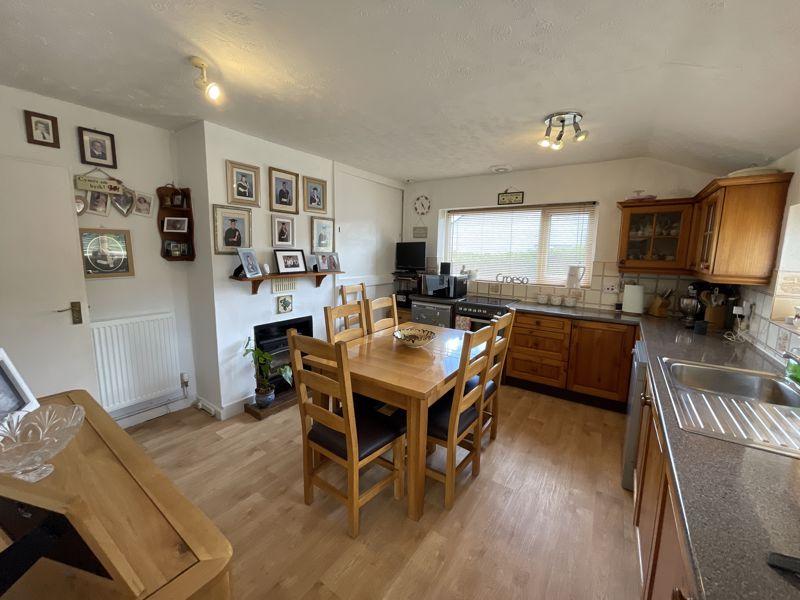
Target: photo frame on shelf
x=15 y=395
x=244 y=183
x=97 y=148
x=106 y=253
x=283 y=192
x=290 y=261
x=315 y=195
x=327 y=262
x=232 y=228
x=282 y=231
x=249 y=262
x=176 y=225
x=41 y=129
x=322 y=234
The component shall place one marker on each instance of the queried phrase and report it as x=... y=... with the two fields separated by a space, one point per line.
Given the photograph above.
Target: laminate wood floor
x=546 y=518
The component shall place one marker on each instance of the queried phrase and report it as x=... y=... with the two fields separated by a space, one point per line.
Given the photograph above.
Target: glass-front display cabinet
x=655 y=235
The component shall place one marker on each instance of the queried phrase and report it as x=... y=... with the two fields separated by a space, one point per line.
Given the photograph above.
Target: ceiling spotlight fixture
x=498 y=169
x=562 y=120
x=211 y=89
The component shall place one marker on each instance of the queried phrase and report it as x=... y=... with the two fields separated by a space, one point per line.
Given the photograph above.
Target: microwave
x=445 y=286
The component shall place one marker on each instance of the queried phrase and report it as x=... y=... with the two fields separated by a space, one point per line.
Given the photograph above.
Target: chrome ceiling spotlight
x=211 y=89
x=562 y=120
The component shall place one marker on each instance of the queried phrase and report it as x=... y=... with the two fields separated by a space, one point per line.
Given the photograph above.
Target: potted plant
x=262 y=360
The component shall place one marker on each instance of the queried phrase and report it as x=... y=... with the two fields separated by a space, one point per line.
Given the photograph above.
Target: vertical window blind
x=537 y=242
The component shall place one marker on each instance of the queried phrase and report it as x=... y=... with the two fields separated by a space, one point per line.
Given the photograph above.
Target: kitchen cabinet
x=539 y=349
x=600 y=359
x=740 y=221
x=655 y=235
x=663 y=557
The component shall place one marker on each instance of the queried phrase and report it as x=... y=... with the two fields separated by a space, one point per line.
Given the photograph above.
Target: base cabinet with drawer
x=663 y=557
x=590 y=357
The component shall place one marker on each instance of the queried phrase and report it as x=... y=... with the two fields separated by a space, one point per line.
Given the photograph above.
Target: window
x=537 y=242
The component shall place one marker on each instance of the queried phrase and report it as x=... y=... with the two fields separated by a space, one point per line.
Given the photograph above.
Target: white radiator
x=137 y=360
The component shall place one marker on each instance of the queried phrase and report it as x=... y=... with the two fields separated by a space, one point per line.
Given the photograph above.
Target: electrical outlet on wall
x=611 y=288
x=494 y=288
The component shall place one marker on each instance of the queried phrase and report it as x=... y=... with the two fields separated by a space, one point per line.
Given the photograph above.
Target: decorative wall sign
x=420 y=232
x=505 y=198
x=106 y=253
x=285 y=304
x=41 y=129
x=422 y=205
x=95 y=184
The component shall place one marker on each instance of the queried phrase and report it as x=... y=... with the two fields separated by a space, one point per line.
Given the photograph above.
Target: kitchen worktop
x=738 y=503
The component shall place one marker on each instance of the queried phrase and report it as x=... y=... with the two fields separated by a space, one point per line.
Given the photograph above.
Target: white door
x=41 y=273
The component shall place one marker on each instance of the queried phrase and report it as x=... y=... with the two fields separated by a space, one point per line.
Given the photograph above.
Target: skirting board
x=152 y=413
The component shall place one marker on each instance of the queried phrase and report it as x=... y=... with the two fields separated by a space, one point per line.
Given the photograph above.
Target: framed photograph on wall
x=315 y=195
x=285 y=304
x=41 y=129
x=249 y=262
x=15 y=395
x=80 y=202
x=106 y=253
x=282 y=231
x=232 y=228
x=97 y=148
x=290 y=261
x=321 y=235
x=244 y=184
x=124 y=202
x=143 y=206
x=283 y=191
x=327 y=262
x=98 y=203
x=176 y=224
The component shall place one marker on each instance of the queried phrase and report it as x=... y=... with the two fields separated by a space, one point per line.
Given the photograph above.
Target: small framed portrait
x=249 y=262
x=290 y=261
x=244 y=184
x=282 y=230
x=285 y=304
x=232 y=228
x=283 y=191
x=327 y=262
x=315 y=195
x=506 y=198
x=41 y=129
x=106 y=253
x=124 y=202
x=15 y=395
x=321 y=235
x=176 y=224
x=97 y=148
x=98 y=204
x=80 y=202
x=143 y=205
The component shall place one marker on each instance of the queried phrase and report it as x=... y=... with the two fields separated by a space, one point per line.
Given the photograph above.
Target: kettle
x=574 y=275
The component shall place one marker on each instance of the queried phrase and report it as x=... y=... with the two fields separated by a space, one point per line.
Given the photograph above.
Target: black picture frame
x=30 y=116
x=280 y=265
x=83 y=134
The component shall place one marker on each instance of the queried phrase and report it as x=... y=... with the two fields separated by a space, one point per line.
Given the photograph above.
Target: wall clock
x=422 y=204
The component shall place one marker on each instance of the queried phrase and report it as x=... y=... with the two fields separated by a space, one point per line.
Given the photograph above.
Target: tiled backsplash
x=771 y=336
x=605 y=275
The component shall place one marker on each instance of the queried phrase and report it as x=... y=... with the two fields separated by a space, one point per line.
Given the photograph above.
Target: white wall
x=787 y=281
x=604 y=182
x=145 y=162
x=354 y=198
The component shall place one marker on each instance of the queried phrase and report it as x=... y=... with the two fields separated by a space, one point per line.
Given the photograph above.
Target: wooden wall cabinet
x=740 y=221
x=663 y=557
x=600 y=359
x=656 y=235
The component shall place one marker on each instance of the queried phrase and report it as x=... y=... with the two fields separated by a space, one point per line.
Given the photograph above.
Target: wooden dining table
x=383 y=368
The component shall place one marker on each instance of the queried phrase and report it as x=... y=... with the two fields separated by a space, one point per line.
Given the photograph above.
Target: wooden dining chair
x=494 y=372
x=458 y=414
x=347 y=438
x=345 y=311
x=353 y=290
x=381 y=304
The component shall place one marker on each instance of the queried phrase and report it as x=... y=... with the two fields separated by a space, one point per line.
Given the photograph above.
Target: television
x=410 y=256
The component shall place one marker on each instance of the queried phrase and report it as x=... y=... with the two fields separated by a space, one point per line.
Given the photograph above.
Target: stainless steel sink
x=747 y=407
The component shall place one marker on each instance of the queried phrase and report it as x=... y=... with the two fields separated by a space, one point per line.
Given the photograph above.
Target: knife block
x=659 y=307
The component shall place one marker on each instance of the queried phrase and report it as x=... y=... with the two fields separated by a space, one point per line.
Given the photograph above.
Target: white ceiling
x=433 y=88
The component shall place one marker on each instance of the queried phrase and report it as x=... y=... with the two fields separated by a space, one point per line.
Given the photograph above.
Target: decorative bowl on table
x=29 y=439
x=414 y=337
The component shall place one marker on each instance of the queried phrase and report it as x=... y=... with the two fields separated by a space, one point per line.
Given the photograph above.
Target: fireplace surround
x=271 y=337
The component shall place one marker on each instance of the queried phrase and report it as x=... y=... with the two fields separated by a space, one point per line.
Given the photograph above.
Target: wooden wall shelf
x=255 y=282
x=168 y=207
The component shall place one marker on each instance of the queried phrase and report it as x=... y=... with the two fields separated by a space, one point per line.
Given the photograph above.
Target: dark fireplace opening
x=271 y=337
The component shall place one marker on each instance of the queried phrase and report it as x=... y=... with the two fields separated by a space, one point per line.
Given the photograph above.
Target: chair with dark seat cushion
x=345 y=436
x=494 y=372
x=458 y=414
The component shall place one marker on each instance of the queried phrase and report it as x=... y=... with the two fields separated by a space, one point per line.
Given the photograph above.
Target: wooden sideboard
x=150 y=540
